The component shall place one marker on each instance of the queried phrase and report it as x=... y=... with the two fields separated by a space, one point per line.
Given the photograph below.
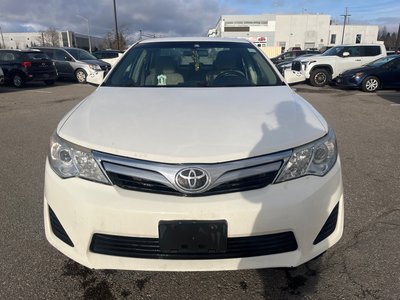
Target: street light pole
x=88 y=29
x=116 y=25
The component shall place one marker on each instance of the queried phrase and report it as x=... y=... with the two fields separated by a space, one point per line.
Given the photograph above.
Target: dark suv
x=20 y=66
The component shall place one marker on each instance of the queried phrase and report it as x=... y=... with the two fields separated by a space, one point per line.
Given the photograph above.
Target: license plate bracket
x=189 y=236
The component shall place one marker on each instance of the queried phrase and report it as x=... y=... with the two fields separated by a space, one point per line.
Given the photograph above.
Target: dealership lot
x=364 y=264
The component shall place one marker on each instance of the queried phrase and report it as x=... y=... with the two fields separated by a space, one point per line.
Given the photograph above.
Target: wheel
x=49 y=82
x=80 y=76
x=370 y=84
x=320 y=77
x=17 y=81
x=230 y=77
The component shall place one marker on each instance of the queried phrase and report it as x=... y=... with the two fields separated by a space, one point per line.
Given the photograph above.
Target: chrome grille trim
x=164 y=173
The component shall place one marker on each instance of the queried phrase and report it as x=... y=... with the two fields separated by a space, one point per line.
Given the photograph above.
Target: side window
x=396 y=64
x=288 y=55
x=354 y=51
x=371 y=50
x=59 y=55
x=7 y=56
x=49 y=53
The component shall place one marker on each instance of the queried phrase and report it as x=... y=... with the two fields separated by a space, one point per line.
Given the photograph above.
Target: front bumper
x=301 y=206
x=348 y=81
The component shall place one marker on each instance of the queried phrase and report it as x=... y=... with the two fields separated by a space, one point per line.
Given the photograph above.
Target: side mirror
x=346 y=54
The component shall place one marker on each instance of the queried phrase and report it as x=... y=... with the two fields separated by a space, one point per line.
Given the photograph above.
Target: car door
x=370 y=53
x=352 y=61
x=391 y=76
x=63 y=63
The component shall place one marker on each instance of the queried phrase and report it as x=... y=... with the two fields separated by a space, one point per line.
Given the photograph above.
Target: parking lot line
x=43 y=92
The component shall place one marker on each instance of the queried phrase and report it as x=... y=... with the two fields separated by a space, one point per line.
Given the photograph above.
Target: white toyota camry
x=193 y=154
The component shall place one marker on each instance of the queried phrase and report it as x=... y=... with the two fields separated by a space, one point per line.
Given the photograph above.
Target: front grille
x=160 y=178
x=57 y=228
x=329 y=226
x=150 y=248
x=239 y=185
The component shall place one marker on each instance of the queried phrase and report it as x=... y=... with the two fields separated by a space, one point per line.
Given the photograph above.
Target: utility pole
x=346 y=15
x=396 y=49
x=116 y=25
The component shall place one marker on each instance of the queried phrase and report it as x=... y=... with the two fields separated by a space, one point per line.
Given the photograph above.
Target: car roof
x=51 y=47
x=194 y=39
x=21 y=50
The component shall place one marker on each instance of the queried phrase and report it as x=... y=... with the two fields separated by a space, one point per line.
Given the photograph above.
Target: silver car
x=74 y=62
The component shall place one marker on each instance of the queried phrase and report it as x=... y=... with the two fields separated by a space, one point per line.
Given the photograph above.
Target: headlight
x=359 y=74
x=95 y=67
x=69 y=160
x=316 y=158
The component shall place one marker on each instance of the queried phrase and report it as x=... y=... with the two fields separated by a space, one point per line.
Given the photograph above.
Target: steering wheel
x=230 y=73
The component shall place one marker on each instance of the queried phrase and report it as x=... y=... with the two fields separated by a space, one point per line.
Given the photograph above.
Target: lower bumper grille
x=329 y=226
x=57 y=228
x=236 y=247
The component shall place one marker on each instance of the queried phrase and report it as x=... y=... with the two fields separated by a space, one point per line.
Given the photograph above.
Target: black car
x=21 y=66
x=291 y=55
x=105 y=54
x=383 y=73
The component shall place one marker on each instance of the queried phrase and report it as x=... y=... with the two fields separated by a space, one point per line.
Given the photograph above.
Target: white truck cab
x=321 y=69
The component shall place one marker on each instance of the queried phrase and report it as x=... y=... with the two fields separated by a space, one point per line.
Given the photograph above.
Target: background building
x=23 y=40
x=276 y=33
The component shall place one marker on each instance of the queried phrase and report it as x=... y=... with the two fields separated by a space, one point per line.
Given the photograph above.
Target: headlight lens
x=359 y=74
x=316 y=158
x=69 y=160
x=95 y=67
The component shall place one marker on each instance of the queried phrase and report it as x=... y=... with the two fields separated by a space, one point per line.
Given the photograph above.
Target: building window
x=333 y=38
x=237 y=29
x=358 y=38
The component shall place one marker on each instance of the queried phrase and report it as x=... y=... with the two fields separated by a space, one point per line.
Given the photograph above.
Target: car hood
x=356 y=70
x=319 y=58
x=95 y=62
x=192 y=125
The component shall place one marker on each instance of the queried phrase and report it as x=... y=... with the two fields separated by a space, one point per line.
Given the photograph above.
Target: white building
x=23 y=40
x=286 y=31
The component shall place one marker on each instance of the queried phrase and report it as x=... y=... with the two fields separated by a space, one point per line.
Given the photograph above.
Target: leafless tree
x=49 y=37
x=110 y=40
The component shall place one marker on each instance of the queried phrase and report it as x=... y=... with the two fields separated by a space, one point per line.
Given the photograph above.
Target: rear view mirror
x=345 y=54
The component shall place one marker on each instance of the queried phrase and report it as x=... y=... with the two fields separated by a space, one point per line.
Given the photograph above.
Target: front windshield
x=80 y=54
x=193 y=64
x=381 y=61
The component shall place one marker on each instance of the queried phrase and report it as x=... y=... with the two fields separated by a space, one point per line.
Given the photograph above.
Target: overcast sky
x=177 y=17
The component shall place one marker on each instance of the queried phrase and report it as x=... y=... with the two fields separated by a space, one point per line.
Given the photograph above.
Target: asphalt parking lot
x=365 y=264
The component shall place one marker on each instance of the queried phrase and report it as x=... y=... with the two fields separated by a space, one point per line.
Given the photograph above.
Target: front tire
x=370 y=84
x=18 y=81
x=320 y=77
x=80 y=76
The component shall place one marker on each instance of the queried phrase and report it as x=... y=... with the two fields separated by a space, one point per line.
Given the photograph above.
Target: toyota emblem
x=192 y=180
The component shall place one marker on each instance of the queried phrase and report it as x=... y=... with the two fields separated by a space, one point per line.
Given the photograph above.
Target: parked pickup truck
x=319 y=70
